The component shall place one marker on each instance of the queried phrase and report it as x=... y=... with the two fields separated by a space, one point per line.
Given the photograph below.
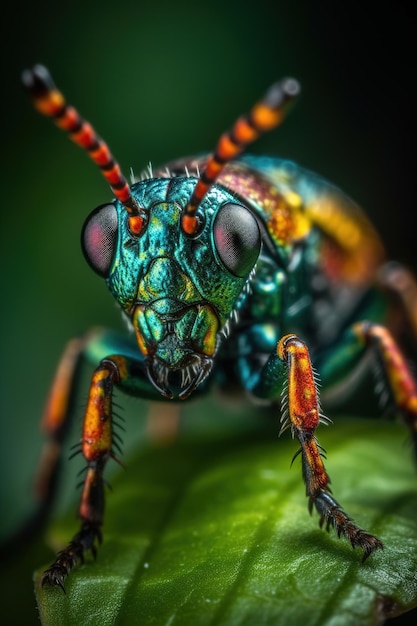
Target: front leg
x=97 y=446
x=301 y=413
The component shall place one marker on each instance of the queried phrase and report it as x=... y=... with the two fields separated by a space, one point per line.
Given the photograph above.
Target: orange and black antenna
x=264 y=116
x=49 y=101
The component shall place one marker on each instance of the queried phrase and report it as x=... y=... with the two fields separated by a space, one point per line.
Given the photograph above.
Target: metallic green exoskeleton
x=232 y=271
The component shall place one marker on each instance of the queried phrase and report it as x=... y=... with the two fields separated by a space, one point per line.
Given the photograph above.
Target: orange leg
x=55 y=418
x=97 y=447
x=54 y=424
x=302 y=414
x=398 y=380
x=400 y=281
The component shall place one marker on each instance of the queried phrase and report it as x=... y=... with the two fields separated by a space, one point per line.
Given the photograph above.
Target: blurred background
x=159 y=81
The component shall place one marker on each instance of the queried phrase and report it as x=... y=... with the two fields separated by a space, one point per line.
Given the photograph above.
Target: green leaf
x=214 y=529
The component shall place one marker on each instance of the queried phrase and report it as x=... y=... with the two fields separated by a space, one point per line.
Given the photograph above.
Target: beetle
x=232 y=270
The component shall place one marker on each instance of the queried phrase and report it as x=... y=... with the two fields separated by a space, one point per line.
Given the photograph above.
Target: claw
x=332 y=514
x=74 y=553
x=55 y=577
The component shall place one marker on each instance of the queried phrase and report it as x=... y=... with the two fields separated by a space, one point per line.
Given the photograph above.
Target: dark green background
x=162 y=80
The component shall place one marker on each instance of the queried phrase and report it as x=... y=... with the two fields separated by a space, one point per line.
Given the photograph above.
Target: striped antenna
x=264 y=116
x=51 y=103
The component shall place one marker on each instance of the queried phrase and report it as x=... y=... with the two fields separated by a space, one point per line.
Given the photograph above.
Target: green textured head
x=179 y=291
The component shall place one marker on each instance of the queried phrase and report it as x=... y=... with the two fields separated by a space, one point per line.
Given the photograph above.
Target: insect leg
x=399 y=280
x=398 y=380
x=302 y=414
x=98 y=445
x=54 y=424
x=97 y=448
x=366 y=345
x=55 y=417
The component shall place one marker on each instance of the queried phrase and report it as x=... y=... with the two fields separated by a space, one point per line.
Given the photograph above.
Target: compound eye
x=98 y=238
x=237 y=238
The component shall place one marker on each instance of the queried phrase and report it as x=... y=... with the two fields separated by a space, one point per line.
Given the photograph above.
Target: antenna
x=49 y=101
x=267 y=114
